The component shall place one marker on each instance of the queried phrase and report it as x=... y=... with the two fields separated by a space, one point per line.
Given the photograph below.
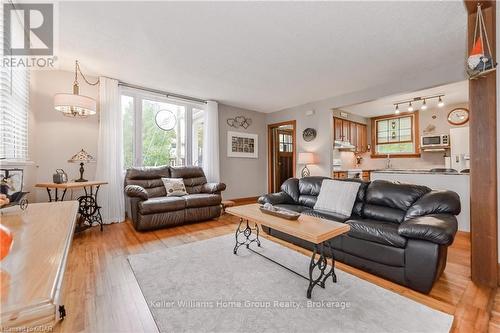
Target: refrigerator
x=459 y=148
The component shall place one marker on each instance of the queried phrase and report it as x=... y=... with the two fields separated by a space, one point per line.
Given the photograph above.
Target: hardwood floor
x=102 y=295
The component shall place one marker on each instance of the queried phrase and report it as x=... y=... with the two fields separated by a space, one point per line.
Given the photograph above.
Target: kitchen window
x=395 y=135
x=159 y=131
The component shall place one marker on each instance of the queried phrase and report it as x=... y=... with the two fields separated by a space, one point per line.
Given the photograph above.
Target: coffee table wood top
x=309 y=228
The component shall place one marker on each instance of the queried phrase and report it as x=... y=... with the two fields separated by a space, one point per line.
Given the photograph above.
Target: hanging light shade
x=397 y=109
x=76 y=105
x=424 y=106
x=440 y=102
x=410 y=107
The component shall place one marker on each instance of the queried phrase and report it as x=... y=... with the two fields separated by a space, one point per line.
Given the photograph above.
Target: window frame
x=414 y=133
x=140 y=95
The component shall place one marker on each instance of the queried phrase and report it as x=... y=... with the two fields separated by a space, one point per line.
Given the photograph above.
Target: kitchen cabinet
x=352 y=132
x=339 y=174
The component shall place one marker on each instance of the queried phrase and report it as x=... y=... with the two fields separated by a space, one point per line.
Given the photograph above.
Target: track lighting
x=417 y=100
x=440 y=102
x=410 y=107
x=424 y=105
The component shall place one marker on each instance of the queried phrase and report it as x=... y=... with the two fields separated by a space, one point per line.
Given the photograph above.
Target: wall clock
x=458 y=116
x=165 y=120
x=309 y=134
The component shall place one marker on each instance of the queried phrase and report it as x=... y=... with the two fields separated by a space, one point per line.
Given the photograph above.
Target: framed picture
x=242 y=145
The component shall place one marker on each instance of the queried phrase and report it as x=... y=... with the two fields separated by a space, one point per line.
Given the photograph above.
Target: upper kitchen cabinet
x=352 y=132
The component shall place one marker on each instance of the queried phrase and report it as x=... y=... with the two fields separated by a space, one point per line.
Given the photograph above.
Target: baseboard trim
x=244 y=201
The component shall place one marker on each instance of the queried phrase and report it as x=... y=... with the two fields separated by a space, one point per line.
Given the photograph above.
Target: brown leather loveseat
x=148 y=206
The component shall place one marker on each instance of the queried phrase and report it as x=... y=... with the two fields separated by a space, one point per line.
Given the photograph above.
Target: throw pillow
x=337 y=196
x=174 y=186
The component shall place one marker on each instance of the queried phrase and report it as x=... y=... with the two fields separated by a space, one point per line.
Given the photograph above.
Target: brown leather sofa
x=148 y=206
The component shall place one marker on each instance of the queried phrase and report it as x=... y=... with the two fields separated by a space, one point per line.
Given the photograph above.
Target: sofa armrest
x=436 y=228
x=213 y=187
x=136 y=191
x=276 y=198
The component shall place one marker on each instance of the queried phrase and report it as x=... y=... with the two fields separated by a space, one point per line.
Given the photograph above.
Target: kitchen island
x=453 y=181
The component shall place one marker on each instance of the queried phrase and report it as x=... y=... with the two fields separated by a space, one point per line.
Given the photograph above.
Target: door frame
x=270 y=150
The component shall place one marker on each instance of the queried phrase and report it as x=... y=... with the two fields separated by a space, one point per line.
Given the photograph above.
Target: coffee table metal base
x=249 y=235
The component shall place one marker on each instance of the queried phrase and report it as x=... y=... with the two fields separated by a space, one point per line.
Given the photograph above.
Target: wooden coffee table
x=313 y=229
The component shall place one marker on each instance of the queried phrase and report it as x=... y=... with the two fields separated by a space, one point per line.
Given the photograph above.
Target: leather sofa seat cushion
x=307 y=200
x=376 y=231
x=327 y=215
x=294 y=208
x=202 y=200
x=394 y=195
x=161 y=205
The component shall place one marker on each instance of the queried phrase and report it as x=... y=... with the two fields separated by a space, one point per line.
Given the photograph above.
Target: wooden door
x=337 y=129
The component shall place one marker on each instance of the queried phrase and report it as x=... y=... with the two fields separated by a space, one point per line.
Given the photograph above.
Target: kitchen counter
x=418 y=171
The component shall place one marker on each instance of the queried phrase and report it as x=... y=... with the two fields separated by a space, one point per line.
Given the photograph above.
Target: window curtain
x=109 y=152
x=211 y=142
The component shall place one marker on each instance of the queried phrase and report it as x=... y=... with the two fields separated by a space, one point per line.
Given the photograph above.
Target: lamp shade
x=81 y=157
x=75 y=105
x=307 y=158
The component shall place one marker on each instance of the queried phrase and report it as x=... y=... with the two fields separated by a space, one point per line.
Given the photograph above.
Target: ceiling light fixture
x=76 y=105
x=424 y=105
x=440 y=102
x=397 y=109
x=410 y=107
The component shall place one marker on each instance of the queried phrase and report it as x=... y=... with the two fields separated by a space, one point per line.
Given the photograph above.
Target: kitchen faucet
x=388 y=162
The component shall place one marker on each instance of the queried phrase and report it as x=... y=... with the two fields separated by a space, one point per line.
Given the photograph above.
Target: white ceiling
x=264 y=56
x=455 y=93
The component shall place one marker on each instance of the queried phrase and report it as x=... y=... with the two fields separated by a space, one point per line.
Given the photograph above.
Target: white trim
x=14 y=163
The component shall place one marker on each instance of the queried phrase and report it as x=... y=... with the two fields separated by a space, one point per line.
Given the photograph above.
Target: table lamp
x=307 y=158
x=81 y=157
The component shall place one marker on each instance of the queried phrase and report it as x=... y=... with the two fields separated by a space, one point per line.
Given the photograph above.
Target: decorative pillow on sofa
x=337 y=196
x=175 y=187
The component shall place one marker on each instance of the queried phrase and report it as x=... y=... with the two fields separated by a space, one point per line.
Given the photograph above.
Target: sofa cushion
x=174 y=186
x=383 y=213
x=294 y=208
x=435 y=202
x=309 y=188
x=337 y=196
x=291 y=187
x=376 y=231
x=394 y=195
x=161 y=204
x=193 y=177
x=326 y=215
x=202 y=200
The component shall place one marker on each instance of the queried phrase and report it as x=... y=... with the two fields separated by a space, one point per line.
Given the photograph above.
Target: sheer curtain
x=109 y=152
x=211 y=142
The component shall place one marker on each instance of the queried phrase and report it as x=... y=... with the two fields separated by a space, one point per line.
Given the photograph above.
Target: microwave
x=430 y=141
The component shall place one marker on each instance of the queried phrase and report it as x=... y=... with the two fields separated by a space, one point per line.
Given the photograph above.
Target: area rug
x=204 y=287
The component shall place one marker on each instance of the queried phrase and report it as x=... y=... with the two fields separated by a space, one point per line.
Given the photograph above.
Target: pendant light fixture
x=76 y=105
x=440 y=102
x=410 y=107
x=397 y=109
x=424 y=105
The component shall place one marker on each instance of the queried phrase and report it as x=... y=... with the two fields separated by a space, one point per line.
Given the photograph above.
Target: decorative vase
x=5 y=241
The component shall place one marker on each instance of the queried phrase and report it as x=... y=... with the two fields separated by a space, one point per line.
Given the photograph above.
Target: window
x=14 y=105
x=158 y=131
x=285 y=142
x=395 y=135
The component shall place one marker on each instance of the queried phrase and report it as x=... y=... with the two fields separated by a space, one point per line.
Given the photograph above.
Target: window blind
x=14 y=105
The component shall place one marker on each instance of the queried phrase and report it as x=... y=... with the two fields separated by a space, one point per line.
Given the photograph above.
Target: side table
x=90 y=211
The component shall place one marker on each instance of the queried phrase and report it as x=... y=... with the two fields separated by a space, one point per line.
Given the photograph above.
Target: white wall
x=57 y=137
x=244 y=177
